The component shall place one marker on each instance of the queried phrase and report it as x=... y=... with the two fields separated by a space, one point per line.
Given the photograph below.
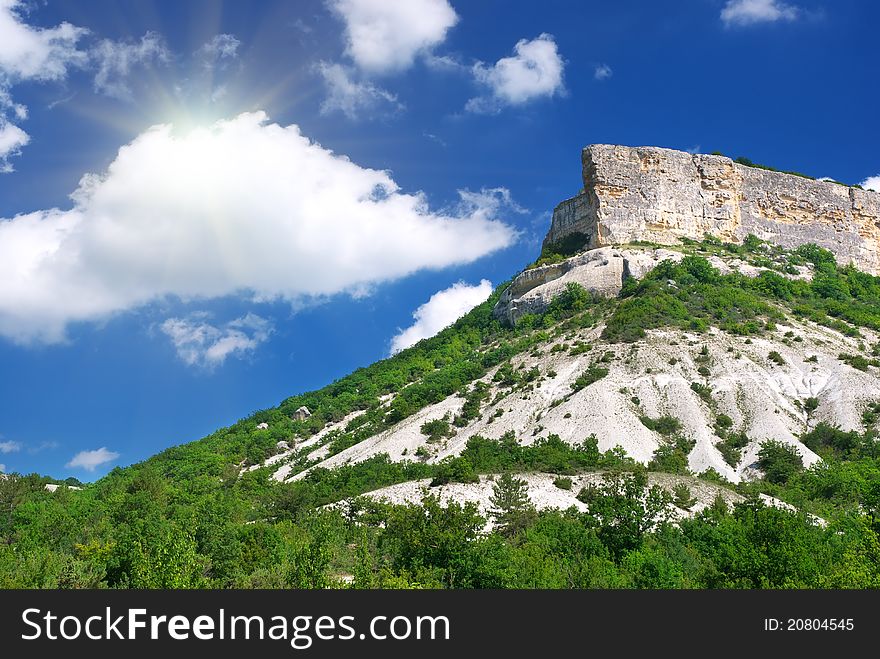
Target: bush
x=702 y=391
x=437 y=429
x=731 y=447
x=857 y=361
x=779 y=461
x=825 y=435
x=776 y=358
x=588 y=377
x=562 y=482
x=672 y=456
x=665 y=425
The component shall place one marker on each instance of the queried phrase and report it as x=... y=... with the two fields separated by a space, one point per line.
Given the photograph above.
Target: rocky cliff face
x=660 y=195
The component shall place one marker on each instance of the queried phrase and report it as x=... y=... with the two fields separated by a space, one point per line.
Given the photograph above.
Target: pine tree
x=512 y=510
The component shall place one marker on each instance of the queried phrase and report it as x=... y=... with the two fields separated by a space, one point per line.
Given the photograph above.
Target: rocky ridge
x=660 y=195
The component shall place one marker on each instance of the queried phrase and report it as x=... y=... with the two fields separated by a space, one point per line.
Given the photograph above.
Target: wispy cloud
x=199 y=343
x=219 y=51
x=435 y=138
x=355 y=99
x=91 y=460
x=9 y=447
x=751 y=12
x=116 y=60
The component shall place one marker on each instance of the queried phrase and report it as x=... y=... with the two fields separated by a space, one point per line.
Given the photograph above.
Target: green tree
x=512 y=510
x=623 y=509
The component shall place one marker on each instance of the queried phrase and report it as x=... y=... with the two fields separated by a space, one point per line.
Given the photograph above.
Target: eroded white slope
x=653 y=377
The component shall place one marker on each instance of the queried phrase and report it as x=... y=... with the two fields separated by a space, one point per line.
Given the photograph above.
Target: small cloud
x=752 y=12
x=353 y=98
x=12 y=138
x=534 y=71
x=871 y=183
x=694 y=149
x=90 y=460
x=602 y=72
x=198 y=343
x=2 y=468
x=9 y=447
x=440 y=311
x=385 y=37
x=116 y=59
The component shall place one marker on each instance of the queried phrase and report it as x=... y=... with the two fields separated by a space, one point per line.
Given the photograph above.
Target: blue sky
x=210 y=206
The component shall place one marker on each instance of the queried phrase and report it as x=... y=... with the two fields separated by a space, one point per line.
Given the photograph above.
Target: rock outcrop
x=634 y=194
x=301 y=414
x=600 y=271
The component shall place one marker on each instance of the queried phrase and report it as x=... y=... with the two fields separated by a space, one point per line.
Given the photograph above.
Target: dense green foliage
x=693 y=295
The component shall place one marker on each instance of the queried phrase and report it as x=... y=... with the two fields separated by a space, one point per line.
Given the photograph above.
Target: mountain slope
x=661 y=409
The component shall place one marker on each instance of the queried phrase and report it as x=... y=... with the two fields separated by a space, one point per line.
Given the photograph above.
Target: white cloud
x=443 y=309
x=199 y=343
x=90 y=460
x=750 y=12
x=534 y=71
x=218 y=50
x=116 y=59
x=2 y=468
x=383 y=36
x=29 y=53
x=602 y=72
x=9 y=447
x=872 y=183
x=241 y=207
x=353 y=98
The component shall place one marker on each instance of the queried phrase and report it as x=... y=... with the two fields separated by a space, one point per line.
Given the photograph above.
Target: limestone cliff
x=660 y=195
